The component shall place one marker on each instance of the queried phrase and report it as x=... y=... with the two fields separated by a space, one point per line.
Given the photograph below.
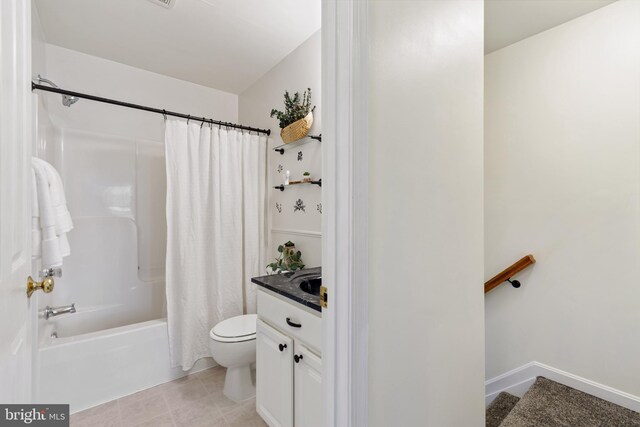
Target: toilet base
x=238 y=384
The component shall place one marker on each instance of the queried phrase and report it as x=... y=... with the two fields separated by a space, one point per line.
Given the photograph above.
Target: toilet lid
x=236 y=327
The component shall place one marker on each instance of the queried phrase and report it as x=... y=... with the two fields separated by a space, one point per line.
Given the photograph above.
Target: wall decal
x=299 y=156
x=299 y=206
x=279 y=207
x=319 y=207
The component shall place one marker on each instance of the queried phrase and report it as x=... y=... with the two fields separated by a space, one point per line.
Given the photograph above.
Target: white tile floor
x=195 y=400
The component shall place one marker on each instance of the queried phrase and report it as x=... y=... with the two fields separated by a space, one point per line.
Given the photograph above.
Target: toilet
x=232 y=343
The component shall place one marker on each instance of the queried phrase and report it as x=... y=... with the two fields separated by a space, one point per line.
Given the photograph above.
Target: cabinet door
x=307 y=388
x=274 y=376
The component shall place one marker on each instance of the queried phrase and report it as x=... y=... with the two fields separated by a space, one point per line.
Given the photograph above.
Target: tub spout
x=57 y=311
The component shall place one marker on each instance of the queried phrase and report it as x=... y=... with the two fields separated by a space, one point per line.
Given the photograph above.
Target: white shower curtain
x=216 y=235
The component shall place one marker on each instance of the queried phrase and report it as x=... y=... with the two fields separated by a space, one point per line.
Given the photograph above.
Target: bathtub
x=88 y=369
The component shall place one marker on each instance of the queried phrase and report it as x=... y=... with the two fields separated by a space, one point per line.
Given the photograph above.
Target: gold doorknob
x=46 y=285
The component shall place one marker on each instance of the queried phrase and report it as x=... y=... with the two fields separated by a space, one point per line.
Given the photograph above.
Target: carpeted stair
x=550 y=404
x=500 y=408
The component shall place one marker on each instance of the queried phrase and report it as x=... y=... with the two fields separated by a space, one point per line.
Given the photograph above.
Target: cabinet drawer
x=291 y=320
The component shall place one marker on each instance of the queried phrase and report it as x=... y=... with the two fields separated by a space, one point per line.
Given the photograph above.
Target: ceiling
x=223 y=44
x=509 y=21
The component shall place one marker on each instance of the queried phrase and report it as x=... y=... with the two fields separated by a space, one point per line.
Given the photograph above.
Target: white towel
x=36 y=231
x=50 y=215
x=58 y=199
x=59 y=206
x=50 y=249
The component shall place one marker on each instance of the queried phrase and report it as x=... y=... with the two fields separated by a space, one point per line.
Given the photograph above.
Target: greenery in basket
x=294 y=108
x=289 y=259
x=306 y=174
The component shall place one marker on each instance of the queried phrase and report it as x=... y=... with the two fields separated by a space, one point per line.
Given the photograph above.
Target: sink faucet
x=57 y=311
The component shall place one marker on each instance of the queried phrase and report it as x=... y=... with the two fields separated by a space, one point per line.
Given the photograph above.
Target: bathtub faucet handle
x=57 y=311
x=51 y=272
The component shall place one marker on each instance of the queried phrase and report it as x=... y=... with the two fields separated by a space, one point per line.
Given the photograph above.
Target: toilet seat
x=235 y=329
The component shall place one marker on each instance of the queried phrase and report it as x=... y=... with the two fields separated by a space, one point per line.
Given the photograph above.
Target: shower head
x=67 y=100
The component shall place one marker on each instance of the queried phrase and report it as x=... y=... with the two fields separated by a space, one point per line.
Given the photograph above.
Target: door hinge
x=323 y=297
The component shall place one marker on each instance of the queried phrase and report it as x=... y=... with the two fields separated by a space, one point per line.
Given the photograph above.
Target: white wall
x=562 y=181
x=298 y=71
x=97 y=76
x=426 y=352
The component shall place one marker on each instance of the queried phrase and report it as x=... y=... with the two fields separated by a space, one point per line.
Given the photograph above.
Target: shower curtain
x=216 y=234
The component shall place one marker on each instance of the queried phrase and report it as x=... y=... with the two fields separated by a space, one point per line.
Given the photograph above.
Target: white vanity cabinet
x=274 y=376
x=288 y=365
x=307 y=386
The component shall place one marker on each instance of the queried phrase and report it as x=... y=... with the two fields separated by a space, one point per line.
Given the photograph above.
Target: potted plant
x=306 y=177
x=289 y=259
x=297 y=117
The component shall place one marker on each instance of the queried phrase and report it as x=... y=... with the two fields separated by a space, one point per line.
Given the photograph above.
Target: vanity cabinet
x=288 y=365
x=274 y=376
x=307 y=385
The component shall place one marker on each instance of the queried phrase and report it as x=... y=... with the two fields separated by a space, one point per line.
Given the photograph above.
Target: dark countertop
x=286 y=284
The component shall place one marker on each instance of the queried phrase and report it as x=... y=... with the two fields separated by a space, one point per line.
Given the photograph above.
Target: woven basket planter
x=296 y=130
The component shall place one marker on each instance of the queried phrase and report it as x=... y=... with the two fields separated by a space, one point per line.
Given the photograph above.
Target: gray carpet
x=549 y=404
x=500 y=408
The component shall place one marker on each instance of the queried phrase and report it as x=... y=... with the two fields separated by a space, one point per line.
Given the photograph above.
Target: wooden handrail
x=508 y=273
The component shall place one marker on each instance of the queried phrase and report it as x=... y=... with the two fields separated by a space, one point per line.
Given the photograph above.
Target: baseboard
x=518 y=381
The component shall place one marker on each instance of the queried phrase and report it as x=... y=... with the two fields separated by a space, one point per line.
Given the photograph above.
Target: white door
x=274 y=376
x=307 y=394
x=15 y=187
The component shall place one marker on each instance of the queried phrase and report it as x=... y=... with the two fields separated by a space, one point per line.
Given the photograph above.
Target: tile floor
x=195 y=400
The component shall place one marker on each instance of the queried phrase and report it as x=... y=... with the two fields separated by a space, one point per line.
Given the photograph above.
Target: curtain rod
x=35 y=86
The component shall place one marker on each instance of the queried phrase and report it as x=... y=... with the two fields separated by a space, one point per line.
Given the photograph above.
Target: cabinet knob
x=282 y=346
x=297 y=358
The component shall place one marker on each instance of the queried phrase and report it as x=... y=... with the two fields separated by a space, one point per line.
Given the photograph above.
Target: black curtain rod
x=35 y=86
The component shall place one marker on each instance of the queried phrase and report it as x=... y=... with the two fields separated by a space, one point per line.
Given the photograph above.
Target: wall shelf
x=284 y=147
x=281 y=187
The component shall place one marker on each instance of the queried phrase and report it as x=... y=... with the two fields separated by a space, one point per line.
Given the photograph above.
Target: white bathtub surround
x=216 y=237
x=50 y=217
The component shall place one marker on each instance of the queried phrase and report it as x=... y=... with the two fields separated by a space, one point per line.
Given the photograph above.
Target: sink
x=311 y=285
